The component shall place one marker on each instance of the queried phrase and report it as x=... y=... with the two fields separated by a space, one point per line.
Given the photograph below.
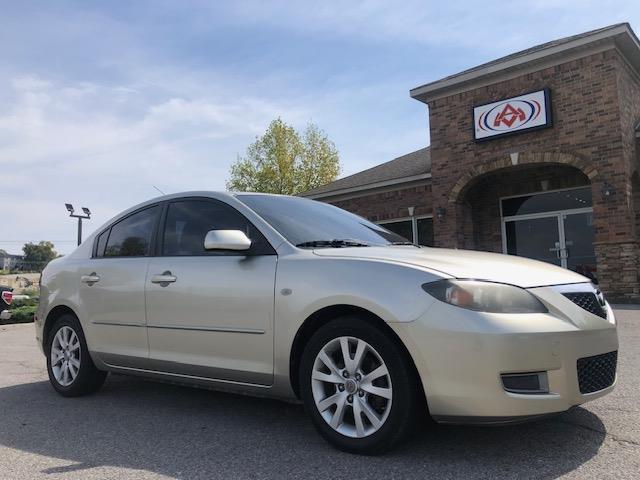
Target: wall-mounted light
x=608 y=190
x=441 y=212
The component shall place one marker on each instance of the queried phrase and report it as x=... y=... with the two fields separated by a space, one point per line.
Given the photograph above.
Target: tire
x=321 y=385
x=88 y=379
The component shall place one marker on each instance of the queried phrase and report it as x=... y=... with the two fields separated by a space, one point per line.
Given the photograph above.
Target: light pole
x=87 y=215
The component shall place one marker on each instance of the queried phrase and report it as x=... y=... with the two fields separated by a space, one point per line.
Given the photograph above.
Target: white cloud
x=75 y=143
x=489 y=27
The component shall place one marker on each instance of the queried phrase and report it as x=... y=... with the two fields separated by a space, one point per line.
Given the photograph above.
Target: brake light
x=7 y=296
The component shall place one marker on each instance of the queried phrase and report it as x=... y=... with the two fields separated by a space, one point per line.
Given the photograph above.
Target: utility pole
x=87 y=216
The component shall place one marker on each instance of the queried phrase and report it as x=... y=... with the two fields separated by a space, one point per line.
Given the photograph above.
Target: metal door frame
x=560 y=215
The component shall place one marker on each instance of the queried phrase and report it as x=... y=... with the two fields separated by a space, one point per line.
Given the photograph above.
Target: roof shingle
x=409 y=165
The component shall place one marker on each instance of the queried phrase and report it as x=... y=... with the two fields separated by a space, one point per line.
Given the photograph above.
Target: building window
x=416 y=230
x=425 y=231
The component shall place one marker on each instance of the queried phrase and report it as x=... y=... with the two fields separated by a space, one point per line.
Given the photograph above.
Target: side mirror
x=226 y=240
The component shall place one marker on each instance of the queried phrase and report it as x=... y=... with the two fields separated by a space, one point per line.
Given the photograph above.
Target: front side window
x=132 y=236
x=188 y=222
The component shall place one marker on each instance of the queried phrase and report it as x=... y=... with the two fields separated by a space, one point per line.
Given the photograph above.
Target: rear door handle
x=90 y=279
x=165 y=279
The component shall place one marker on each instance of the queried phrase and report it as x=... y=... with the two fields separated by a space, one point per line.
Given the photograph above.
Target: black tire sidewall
x=89 y=378
x=403 y=407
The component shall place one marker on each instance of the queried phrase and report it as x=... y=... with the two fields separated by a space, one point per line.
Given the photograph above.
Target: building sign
x=517 y=114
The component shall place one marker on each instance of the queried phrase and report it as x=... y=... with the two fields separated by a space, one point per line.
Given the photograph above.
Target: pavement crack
x=613 y=437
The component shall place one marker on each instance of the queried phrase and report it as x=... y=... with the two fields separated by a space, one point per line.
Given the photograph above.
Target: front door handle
x=164 y=279
x=90 y=279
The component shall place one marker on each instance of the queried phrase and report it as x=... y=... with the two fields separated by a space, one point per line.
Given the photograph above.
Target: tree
x=283 y=161
x=40 y=253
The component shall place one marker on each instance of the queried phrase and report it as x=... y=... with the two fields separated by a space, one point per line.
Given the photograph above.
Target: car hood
x=494 y=267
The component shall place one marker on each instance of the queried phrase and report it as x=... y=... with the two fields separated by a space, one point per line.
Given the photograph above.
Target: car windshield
x=310 y=224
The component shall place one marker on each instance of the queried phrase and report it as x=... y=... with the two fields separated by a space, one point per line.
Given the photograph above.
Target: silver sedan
x=296 y=299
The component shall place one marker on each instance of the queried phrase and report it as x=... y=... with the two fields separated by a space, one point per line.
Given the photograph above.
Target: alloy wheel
x=351 y=387
x=65 y=356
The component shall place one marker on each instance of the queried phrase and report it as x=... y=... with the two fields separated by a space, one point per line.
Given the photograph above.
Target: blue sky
x=99 y=101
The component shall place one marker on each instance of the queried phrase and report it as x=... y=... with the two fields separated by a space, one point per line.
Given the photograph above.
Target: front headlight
x=485 y=296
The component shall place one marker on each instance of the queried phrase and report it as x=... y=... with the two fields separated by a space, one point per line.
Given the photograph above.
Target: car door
x=213 y=318
x=112 y=287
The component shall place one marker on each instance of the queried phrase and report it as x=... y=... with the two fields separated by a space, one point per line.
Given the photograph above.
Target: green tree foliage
x=283 y=161
x=42 y=252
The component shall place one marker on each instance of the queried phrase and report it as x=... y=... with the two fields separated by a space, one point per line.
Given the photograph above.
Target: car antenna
x=158 y=189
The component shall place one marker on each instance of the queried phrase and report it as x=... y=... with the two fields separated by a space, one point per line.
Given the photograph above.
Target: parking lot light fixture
x=87 y=216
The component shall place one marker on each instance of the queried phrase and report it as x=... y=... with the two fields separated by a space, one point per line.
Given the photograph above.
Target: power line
x=27 y=241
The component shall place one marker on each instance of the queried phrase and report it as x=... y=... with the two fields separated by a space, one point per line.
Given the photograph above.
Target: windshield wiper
x=335 y=243
x=403 y=243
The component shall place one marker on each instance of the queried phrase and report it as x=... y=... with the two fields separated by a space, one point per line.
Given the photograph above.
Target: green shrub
x=29 y=302
x=22 y=314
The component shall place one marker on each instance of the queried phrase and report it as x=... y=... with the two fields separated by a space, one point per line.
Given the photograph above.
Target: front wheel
x=358 y=387
x=71 y=370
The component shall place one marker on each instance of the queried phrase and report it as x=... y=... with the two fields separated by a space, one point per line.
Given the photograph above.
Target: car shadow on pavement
x=188 y=433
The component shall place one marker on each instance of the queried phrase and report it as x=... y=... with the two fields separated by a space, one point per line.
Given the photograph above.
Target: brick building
x=534 y=154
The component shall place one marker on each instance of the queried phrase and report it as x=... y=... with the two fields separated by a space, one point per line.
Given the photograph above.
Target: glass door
x=578 y=243
x=534 y=237
x=561 y=238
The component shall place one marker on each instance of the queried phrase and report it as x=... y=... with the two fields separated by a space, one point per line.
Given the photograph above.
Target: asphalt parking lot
x=138 y=429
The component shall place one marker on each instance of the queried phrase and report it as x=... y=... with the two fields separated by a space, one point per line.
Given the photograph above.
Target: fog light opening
x=531 y=383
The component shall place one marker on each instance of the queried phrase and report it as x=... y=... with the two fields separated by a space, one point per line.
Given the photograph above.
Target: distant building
x=534 y=154
x=11 y=262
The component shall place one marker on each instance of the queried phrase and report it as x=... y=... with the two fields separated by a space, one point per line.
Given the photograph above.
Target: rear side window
x=132 y=236
x=188 y=222
x=102 y=243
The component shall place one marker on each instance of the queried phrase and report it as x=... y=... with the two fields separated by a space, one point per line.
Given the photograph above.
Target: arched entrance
x=536 y=209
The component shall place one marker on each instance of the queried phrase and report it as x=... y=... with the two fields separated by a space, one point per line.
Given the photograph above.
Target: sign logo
x=514 y=114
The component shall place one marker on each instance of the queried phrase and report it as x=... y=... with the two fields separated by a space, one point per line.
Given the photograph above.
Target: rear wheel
x=358 y=387
x=71 y=371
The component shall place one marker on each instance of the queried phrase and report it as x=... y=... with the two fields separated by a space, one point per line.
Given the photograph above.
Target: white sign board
x=528 y=111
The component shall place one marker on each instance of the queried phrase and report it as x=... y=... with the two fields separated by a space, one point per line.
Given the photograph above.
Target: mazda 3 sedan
x=296 y=299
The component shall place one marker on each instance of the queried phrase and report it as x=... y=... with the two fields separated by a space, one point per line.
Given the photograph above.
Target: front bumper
x=460 y=356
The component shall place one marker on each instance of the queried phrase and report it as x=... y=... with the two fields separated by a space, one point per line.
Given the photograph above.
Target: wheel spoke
x=338 y=415
x=326 y=377
x=75 y=362
x=346 y=356
x=330 y=400
x=371 y=415
x=379 y=391
x=359 y=355
x=377 y=373
x=357 y=416
x=56 y=355
x=60 y=337
x=331 y=365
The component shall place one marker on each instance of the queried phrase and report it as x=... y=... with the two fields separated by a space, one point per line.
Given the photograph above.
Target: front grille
x=598 y=372
x=588 y=301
